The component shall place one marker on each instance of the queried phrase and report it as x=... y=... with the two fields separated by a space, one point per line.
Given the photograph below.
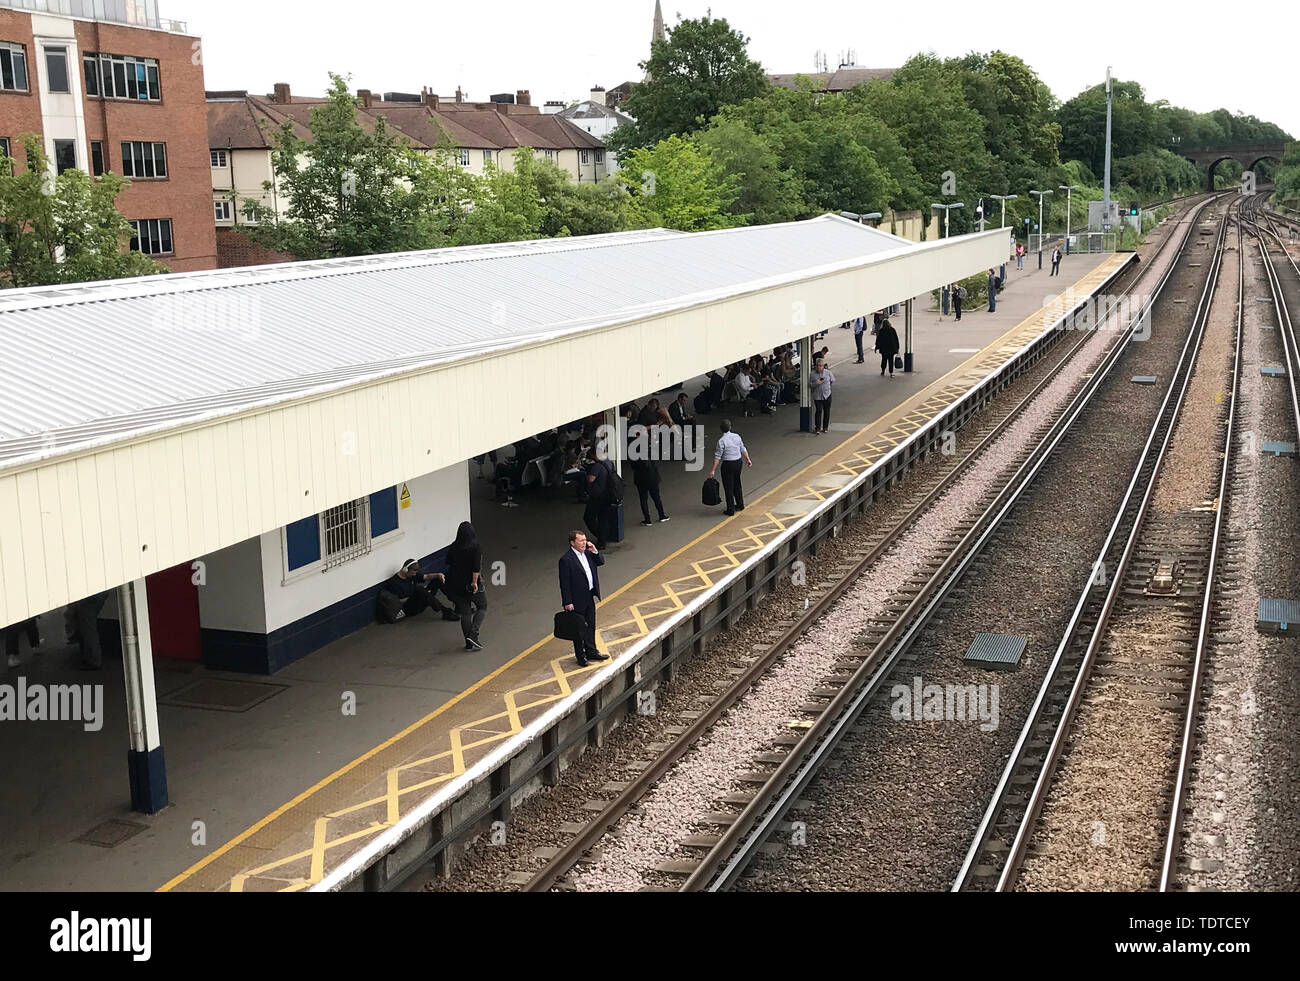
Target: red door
x=174 y=614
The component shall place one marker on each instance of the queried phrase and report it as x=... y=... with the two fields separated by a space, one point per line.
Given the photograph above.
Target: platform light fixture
x=947 y=209
x=1004 y=198
x=1040 y=195
x=1068 y=189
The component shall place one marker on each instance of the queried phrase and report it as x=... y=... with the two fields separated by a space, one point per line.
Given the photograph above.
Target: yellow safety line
x=732 y=554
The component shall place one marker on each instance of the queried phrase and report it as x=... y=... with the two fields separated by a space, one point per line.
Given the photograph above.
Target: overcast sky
x=560 y=50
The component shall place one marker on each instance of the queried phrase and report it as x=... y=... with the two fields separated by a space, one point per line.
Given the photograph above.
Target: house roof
x=593 y=110
x=247 y=123
x=840 y=80
x=160 y=353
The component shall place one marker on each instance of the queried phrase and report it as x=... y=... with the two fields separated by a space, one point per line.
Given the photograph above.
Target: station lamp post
x=946 y=209
x=979 y=212
x=861 y=219
x=1068 y=189
x=1040 y=195
x=1004 y=198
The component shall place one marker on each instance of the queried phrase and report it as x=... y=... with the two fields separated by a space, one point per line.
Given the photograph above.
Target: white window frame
x=58 y=50
x=151 y=154
x=14 y=48
x=128 y=65
x=600 y=156
x=464 y=156
x=487 y=156
x=324 y=563
x=135 y=226
x=222 y=211
x=586 y=157
x=550 y=154
x=219 y=155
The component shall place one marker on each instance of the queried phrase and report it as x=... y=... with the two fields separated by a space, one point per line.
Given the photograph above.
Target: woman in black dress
x=466 y=586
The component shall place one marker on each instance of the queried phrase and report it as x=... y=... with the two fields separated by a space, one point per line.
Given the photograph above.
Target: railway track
x=727 y=854
x=1144 y=621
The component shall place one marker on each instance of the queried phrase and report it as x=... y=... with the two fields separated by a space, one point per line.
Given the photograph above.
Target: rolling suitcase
x=612 y=523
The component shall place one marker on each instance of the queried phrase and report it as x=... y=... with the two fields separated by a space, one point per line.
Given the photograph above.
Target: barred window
x=345 y=533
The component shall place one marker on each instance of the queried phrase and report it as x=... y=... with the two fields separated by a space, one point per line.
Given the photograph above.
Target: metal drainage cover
x=998 y=651
x=222 y=696
x=1144 y=380
x=1274 y=371
x=1274 y=448
x=111 y=833
x=1278 y=615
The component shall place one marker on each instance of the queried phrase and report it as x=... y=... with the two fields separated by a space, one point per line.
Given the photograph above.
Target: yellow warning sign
x=406 y=497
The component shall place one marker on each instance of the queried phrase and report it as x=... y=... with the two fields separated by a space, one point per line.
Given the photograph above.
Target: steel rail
x=998 y=799
x=1166 y=420
x=568 y=856
x=1182 y=773
x=740 y=842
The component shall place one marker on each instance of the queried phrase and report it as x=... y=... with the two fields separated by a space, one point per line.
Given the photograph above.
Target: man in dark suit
x=580 y=591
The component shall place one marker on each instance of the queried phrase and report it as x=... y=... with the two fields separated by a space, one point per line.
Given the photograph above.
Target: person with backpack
x=887 y=346
x=645 y=474
x=465 y=586
x=958 y=295
x=1020 y=256
x=601 y=492
x=993 y=292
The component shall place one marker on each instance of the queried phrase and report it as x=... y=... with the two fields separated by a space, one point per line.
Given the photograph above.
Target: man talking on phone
x=580 y=592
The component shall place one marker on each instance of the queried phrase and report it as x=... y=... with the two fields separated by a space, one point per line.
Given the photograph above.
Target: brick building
x=110 y=87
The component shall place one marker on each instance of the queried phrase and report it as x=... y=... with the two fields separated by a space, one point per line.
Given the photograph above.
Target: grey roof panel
x=100 y=361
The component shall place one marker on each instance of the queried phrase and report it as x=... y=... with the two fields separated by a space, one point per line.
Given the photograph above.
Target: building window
x=97 y=166
x=487 y=156
x=152 y=236
x=341 y=534
x=345 y=533
x=586 y=156
x=56 y=69
x=122 y=77
x=600 y=156
x=7 y=151
x=464 y=158
x=65 y=155
x=219 y=159
x=221 y=210
x=13 y=67
x=144 y=160
x=550 y=154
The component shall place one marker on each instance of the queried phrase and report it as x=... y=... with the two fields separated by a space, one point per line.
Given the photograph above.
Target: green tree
x=578 y=209
x=768 y=192
x=349 y=190
x=674 y=184
x=702 y=66
x=63 y=229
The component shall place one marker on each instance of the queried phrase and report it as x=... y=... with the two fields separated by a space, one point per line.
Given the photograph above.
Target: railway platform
x=315 y=761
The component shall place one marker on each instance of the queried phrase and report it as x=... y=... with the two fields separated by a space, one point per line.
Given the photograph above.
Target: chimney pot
x=524 y=97
x=282 y=94
x=367 y=98
x=598 y=95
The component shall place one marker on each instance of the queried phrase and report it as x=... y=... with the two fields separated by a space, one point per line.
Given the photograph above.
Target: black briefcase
x=569 y=625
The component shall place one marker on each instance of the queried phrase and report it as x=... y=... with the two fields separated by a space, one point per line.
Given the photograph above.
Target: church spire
x=659 y=34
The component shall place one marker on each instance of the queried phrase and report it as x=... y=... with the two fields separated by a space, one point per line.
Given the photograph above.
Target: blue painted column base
x=907 y=362
x=148 y=773
x=805 y=419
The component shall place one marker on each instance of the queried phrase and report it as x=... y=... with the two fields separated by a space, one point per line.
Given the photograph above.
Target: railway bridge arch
x=1248 y=155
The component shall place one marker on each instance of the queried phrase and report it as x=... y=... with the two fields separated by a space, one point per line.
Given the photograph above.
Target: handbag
x=712 y=493
x=898 y=361
x=569 y=625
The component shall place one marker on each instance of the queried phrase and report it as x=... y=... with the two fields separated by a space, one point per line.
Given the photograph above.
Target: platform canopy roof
x=92 y=363
x=146 y=423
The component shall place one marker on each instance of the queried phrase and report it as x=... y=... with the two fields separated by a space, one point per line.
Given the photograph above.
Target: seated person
x=408 y=594
x=745 y=391
x=680 y=411
x=510 y=475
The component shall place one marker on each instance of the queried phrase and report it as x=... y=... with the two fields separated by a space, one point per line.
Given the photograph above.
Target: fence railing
x=136 y=13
